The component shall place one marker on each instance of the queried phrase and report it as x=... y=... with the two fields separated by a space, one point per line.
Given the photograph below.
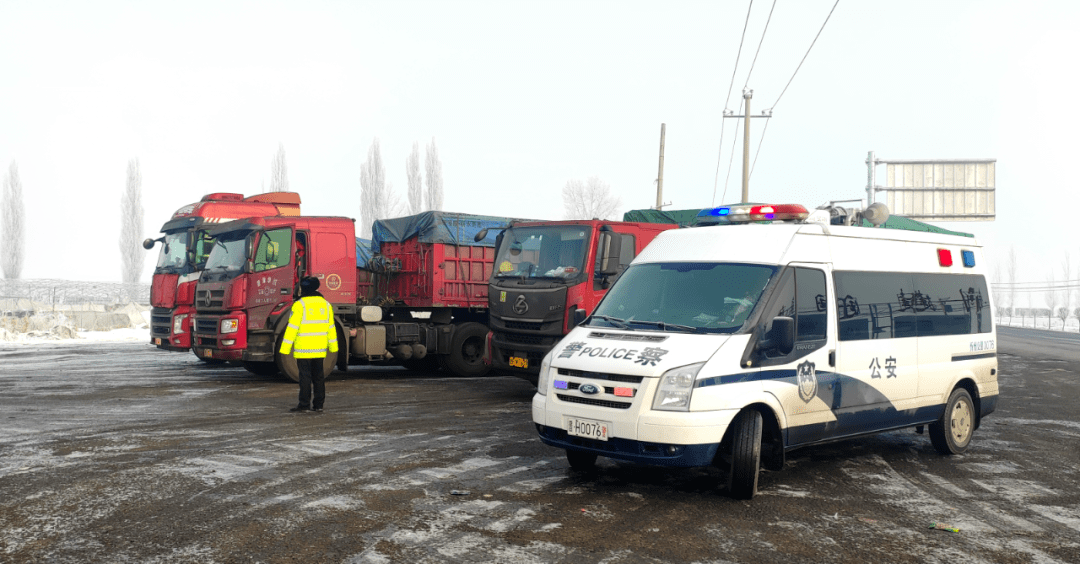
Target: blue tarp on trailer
x=439 y=227
x=363 y=252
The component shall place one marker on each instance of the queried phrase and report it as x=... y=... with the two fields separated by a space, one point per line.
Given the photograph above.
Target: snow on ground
x=61 y=333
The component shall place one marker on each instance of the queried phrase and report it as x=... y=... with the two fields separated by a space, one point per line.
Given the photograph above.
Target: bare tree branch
x=279 y=172
x=12 y=235
x=416 y=183
x=589 y=199
x=132 y=253
x=377 y=197
x=433 y=169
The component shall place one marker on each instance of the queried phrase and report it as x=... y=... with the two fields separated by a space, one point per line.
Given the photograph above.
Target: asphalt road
x=122 y=453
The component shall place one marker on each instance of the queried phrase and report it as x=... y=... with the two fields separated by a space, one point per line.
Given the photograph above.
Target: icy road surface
x=118 y=452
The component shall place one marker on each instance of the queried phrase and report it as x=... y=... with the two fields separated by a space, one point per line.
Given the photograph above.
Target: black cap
x=309 y=284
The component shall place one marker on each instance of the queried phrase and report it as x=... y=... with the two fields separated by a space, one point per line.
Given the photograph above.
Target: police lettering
x=604 y=352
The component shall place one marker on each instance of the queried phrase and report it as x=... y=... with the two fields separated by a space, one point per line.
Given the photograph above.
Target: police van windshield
x=228 y=253
x=172 y=259
x=684 y=296
x=554 y=252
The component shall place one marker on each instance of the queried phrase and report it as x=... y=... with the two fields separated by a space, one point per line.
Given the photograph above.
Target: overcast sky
x=521 y=97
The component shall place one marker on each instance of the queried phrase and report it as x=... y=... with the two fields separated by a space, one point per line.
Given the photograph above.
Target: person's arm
x=293 y=327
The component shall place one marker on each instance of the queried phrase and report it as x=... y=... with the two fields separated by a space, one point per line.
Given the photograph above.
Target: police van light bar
x=752 y=212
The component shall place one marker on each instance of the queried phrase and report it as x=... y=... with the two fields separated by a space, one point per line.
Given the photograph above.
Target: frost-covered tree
x=131 y=226
x=12 y=233
x=433 y=174
x=377 y=198
x=416 y=183
x=279 y=172
x=589 y=199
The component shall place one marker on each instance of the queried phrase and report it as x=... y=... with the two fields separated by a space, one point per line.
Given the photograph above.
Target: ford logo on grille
x=589 y=389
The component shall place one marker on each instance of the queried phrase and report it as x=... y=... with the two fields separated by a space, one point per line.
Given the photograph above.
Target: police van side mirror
x=781 y=338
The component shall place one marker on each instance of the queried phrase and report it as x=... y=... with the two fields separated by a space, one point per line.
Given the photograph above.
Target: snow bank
x=25 y=321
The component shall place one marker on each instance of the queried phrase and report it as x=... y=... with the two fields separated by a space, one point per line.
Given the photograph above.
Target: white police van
x=734 y=344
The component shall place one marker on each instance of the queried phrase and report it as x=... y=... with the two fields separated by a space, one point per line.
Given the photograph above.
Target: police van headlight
x=544 y=378
x=676 y=387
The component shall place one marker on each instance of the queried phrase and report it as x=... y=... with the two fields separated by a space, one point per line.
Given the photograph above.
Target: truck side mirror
x=610 y=252
x=148 y=244
x=781 y=338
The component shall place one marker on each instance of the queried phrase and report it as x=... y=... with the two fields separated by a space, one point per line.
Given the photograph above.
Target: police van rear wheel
x=745 y=455
x=952 y=433
x=581 y=461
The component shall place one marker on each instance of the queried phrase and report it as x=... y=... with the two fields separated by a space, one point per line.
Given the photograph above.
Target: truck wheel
x=581 y=461
x=286 y=363
x=466 y=356
x=745 y=455
x=952 y=433
x=261 y=368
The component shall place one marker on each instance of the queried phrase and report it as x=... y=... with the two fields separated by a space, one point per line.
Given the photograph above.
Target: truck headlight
x=544 y=379
x=178 y=323
x=676 y=387
x=230 y=325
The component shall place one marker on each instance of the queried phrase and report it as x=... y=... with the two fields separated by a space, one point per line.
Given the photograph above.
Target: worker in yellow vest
x=310 y=336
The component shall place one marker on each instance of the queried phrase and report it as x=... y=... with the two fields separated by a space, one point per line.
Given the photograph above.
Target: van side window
x=801 y=295
x=894 y=305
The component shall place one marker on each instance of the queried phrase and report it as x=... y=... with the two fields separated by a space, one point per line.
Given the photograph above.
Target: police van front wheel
x=952 y=433
x=745 y=455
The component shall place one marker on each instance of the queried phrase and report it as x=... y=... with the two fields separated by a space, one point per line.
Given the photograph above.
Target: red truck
x=185 y=246
x=421 y=298
x=548 y=277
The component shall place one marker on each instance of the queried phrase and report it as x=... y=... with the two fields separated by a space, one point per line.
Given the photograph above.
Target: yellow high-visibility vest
x=311 y=332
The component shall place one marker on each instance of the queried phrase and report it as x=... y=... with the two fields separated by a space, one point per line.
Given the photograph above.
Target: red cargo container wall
x=439 y=274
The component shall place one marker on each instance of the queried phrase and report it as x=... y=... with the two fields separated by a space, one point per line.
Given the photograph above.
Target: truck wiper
x=620 y=323
x=663 y=326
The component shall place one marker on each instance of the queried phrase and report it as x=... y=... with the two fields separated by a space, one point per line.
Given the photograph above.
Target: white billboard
x=939 y=190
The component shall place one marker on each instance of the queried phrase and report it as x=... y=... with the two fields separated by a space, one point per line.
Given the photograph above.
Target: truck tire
x=466 y=356
x=745 y=455
x=286 y=363
x=952 y=433
x=261 y=368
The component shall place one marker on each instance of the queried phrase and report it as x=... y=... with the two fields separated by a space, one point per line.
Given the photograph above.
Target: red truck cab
x=185 y=246
x=548 y=276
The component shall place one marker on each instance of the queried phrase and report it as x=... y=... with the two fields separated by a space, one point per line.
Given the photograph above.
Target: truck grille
x=206 y=326
x=209 y=299
x=523 y=339
x=160 y=322
x=523 y=326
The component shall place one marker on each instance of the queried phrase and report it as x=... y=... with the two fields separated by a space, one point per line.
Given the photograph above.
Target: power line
x=766 y=128
x=754 y=62
x=738 y=55
x=804 y=56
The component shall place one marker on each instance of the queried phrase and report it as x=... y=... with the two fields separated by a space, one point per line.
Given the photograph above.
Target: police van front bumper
x=656 y=454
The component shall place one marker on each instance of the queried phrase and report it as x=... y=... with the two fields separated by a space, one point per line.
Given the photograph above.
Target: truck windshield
x=172 y=259
x=684 y=296
x=543 y=252
x=229 y=252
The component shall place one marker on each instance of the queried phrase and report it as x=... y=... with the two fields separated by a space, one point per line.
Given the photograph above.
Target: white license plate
x=587 y=428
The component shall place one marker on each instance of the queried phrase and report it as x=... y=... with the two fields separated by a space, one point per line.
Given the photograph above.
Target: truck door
x=803 y=380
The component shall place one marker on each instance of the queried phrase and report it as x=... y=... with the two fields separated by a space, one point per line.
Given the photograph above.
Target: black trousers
x=311 y=372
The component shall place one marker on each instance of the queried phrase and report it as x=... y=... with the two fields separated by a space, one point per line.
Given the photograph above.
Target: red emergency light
x=944 y=257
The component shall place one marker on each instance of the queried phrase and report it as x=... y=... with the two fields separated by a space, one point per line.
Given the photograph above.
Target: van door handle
x=832 y=358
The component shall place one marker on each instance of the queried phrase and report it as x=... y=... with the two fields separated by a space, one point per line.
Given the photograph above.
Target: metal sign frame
x=936 y=189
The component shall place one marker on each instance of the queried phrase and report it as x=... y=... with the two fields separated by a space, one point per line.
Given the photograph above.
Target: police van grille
x=600 y=376
x=595 y=402
x=623 y=337
x=607 y=390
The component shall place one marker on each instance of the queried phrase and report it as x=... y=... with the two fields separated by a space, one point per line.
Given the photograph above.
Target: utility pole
x=747 y=95
x=870 y=178
x=660 y=175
